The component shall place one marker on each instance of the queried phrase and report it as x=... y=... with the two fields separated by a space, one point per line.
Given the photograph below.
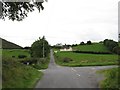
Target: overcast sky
x=65 y=21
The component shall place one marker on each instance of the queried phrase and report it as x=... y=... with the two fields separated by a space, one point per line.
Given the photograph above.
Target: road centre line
x=73 y=69
x=78 y=75
x=93 y=68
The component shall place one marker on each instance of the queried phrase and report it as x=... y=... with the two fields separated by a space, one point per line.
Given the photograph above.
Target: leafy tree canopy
x=89 y=42
x=111 y=45
x=82 y=43
x=40 y=48
x=19 y=10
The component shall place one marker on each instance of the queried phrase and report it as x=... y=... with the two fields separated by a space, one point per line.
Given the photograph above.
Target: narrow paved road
x=70 y=77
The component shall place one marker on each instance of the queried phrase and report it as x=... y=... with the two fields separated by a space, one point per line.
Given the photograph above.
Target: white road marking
x=78 y=75
x=93 y=68
x=73 y=70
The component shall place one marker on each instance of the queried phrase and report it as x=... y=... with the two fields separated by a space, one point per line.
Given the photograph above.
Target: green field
x=111 y=80
x=15 y=52
x=42 y=64
x=95 y=47
x=80 y=59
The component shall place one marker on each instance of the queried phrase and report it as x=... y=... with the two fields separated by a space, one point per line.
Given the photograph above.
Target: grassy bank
x=17 y=75
x=42 y=63
x=79 y=59
x=95 y=47
x=111 y=81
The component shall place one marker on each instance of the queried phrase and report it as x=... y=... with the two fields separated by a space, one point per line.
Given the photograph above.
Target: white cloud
x=66 y=21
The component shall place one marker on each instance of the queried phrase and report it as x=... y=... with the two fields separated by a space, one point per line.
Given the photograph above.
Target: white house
x=66 y=48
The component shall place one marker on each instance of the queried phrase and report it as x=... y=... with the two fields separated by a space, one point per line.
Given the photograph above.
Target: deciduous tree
x=40 y=48
x=19 y=10
x=89 y=42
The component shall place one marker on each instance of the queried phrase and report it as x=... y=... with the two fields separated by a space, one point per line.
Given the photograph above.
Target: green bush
x=110 y=44
x=89 y=42
x=13 y=56
x=22 y=56
x=67 y=60
x=116 y=50
x=41 y=63
x=82 y=43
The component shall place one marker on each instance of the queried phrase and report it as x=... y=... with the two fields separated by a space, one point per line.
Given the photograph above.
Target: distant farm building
x=66 y=48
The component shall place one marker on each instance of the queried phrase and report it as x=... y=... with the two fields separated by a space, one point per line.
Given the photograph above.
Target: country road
x=70 y=77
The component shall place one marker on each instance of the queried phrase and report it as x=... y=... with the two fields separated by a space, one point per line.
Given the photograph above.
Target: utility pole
x=43 y=49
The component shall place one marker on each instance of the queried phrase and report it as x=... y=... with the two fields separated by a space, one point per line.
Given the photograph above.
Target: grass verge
x=80 y=59
x=111 y=81
x=42 y=63
x=17 y=75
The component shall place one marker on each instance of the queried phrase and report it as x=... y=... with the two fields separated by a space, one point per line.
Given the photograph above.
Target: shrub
x=41 y=63
x=34 y=60
x=116 y=50
x=13 y=56
x=89 y=42
x=110 y=44
x=22 y=56
x=82 y=43
x=67 y=60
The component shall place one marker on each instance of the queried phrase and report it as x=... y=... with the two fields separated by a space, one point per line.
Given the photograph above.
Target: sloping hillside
x=9 y=45
x=96 y=47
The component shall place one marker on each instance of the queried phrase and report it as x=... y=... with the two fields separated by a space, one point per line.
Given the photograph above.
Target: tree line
x=41 y=48
x=113 y=46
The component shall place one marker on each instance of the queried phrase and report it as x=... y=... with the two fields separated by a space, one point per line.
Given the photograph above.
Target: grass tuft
x=111 y=81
